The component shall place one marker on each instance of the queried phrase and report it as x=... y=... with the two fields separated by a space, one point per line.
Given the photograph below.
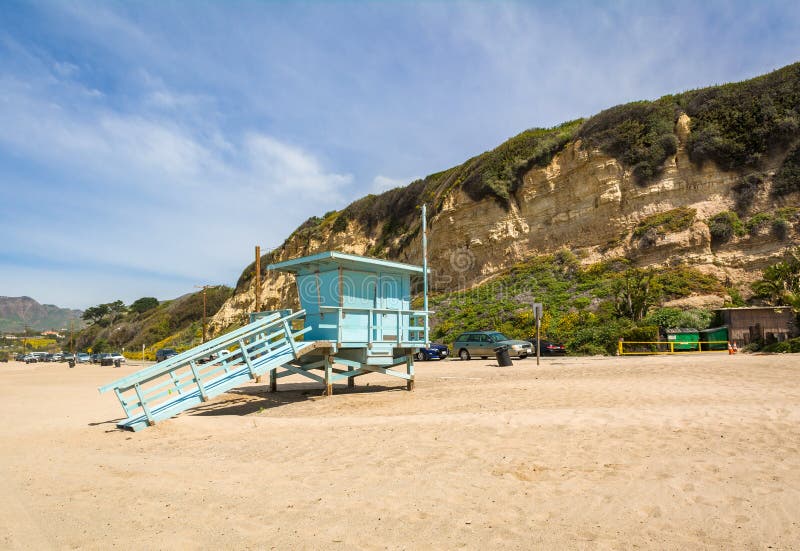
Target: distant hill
x=18 y=313
x=173 y=323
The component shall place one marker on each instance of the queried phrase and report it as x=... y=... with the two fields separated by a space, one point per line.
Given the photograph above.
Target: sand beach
x=674 y=452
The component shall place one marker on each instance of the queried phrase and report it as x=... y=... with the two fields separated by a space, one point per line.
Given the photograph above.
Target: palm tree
x=780 y=284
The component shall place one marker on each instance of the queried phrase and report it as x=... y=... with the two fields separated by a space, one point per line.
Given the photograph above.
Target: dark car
x=434 y=352
x=165 y=353
x=549 y=348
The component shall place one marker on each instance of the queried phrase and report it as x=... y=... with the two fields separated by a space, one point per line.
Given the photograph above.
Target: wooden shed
x=758 y=323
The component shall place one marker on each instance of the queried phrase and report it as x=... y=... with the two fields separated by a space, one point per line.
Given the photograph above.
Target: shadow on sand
x=259 y=398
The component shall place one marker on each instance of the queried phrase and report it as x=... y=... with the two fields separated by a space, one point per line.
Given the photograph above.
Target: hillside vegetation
x=170 y=324
x=588 y=308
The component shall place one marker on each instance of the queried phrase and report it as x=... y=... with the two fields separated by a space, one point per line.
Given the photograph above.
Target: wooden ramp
x=192 y=377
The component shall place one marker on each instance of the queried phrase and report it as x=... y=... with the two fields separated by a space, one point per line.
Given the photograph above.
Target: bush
x=724 y=226
x=787 y=179
x=639 y=134
x=736 y=298
x=746 y=191
x=672 y=318
x=757 y=222
x=499 y=172
x=671 y=221
x=340 y=224
x=790 y=346
x=780 y=228
x=144 y=304
x=737 y=125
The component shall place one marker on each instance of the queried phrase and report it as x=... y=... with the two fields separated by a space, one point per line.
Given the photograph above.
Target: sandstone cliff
x=580 y=197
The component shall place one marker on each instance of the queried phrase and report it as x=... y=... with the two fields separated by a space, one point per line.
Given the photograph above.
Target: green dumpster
x=714 y=338
x=683 y=339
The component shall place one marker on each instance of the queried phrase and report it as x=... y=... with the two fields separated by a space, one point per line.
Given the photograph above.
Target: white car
x=117 y=356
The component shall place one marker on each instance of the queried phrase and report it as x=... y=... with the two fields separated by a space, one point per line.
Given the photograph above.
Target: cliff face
x=583 y=200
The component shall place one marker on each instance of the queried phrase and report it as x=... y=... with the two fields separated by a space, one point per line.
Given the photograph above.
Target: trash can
x=117 y=363
x=503 y=357
x=71 y=364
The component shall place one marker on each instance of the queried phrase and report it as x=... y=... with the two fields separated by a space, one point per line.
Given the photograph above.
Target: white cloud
x=155 y=192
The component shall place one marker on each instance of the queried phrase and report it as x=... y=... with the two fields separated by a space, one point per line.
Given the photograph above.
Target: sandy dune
x=669 y=453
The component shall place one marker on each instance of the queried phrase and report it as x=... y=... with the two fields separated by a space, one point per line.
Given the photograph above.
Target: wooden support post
x=273 y=380
x=143 y=403
x=328 y=373
x=410 y=371
x=351 y=382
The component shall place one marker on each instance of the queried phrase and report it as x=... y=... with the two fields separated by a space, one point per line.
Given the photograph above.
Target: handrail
x=214 y=345
x=400 y=327
x=387 y=310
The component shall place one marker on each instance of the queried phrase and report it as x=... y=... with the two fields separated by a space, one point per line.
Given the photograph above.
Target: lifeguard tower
x=355 y=319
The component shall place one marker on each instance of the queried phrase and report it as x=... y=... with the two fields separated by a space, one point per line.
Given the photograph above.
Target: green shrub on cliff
x=671 y=221
x=724 y=226
x=787 y=179
x=639 y=134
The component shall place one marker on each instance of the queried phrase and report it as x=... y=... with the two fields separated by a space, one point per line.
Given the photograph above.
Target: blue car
x=435 y=352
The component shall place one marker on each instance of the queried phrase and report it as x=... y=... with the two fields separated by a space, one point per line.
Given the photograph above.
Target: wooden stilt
x=410 y=371
x=328 y=373
x=273 y=380
x=351 y=382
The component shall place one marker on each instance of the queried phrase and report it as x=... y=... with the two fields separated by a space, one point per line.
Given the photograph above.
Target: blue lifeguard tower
x=355 y=319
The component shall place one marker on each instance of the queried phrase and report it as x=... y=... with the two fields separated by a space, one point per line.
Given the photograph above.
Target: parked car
x=213 y=357
x=57 y=357
x=483 y=343
x=95 y=358
x=68 y=357
x=116 y=356
x=165 y=353
x=20 y=357
x=549 y=348
x=83 y=358
x=105 y=359
x=434 y=352
x=30 y=359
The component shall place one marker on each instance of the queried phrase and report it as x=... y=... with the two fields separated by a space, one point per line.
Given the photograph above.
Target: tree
x=94 y=314
x=635 y=293
x=780 y=284
x=116 y=309
x=99 y=346
x=144 y=304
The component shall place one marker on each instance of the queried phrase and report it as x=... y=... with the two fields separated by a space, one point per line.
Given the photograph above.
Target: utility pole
x=425 y=269
x=538 y=311
x=204 y=287
x=258 y=279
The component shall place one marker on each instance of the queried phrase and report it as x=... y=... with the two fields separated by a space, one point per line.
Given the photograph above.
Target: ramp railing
x=191 y=377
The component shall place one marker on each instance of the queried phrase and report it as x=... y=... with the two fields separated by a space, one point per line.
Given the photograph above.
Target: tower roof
x=333 y=259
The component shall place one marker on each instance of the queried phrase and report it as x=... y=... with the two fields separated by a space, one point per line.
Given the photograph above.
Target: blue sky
x=146 y=147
